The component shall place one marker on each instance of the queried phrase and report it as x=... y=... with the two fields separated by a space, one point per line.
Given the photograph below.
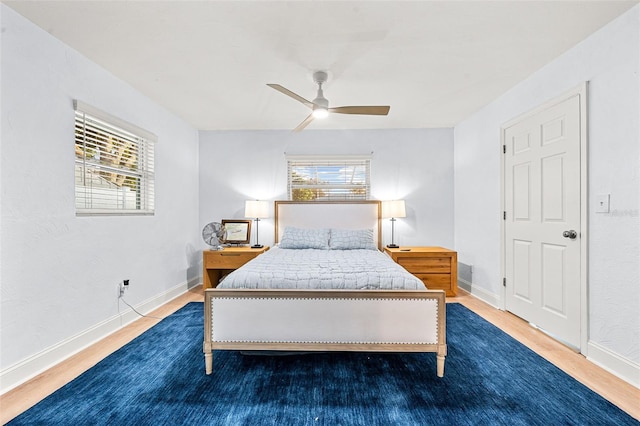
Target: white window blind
x=114 y=167
x=335 y=178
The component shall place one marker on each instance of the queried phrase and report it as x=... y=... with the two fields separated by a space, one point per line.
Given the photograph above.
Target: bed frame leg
x=440 y=365
x=208 y=362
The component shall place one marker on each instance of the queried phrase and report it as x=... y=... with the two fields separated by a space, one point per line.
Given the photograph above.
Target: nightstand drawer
x=222 y=260
x=437 y=265
x=436 y=281
x=217 y=263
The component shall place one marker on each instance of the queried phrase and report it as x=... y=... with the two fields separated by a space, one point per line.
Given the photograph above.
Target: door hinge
x=504 y=282
x=504 y=149
x=504 y=215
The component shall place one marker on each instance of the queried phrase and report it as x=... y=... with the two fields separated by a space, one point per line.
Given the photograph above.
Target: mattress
x=281 y=268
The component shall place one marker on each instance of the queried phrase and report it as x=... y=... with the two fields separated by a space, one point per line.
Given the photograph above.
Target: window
x=314 y=178
x=114 y=165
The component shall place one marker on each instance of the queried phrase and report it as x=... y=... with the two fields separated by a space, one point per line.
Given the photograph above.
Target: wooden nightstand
x=217 y=263
x=437 y=267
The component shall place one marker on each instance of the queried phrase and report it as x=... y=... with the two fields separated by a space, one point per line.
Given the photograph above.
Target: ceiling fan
x=320 y=105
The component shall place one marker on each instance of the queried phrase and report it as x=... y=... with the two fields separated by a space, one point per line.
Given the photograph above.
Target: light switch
x=602 y=203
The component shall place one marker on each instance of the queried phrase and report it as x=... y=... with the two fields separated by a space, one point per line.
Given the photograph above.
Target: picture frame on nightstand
x=237 y=231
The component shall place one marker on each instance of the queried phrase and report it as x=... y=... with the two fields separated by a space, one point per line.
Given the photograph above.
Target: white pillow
x=299 y=238
x=352 y=239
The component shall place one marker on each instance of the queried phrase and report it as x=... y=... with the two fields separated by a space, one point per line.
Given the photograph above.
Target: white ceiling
x=434 y=62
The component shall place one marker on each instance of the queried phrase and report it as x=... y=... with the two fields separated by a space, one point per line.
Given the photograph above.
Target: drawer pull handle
x=230 y=254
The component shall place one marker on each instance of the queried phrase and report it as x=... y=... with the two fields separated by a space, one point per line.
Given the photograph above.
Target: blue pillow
x=298 y=238
x=352 y=239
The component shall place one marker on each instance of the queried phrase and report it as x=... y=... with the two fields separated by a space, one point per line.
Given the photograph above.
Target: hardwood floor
x=612 y=388
x=620 y=393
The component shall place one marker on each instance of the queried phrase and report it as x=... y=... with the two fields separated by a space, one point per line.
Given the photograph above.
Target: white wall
x=610 y=61
x=415 y=165
x=60 y=272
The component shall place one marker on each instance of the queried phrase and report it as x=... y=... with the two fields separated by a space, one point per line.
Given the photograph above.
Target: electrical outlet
x=122 y=287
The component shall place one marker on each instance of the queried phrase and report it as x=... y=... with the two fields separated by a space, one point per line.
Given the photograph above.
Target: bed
x=345 y=310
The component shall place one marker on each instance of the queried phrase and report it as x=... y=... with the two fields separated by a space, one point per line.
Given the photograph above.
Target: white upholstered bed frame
x=326 y=320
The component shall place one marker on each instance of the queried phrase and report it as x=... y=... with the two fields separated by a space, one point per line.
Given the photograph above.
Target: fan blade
x=291 y=94
x=304 y=124
x=364 y=110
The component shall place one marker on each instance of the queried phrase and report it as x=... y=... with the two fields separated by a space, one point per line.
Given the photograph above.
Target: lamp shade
x=256 y=209
x=393 y=208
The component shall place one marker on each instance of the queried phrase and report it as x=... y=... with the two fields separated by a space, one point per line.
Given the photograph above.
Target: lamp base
x=257 y=246
x=393 y=246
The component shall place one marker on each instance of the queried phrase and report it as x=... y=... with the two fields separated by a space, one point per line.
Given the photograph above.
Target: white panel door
x=542 y=213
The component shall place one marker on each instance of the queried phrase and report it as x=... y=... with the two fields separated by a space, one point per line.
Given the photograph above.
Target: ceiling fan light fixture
x=320 y=105
x=320 y=113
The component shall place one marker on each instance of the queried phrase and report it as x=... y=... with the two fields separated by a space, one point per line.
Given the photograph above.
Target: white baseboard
x=30 y=367
x=480 y=293
x=621 y=367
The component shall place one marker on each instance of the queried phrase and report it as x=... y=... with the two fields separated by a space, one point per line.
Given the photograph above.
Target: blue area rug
x=158 y=379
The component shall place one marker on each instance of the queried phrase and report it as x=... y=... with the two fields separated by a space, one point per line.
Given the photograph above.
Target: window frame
x=143 y=174
x=341 y=188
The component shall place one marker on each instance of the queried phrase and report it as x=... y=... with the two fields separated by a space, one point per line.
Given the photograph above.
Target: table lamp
x=393 y=209
x=257 y=210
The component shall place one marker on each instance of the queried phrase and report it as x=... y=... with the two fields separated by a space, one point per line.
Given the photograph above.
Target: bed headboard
x=329 y=214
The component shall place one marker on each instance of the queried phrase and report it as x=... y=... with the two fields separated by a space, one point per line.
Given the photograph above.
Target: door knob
x=570 y=234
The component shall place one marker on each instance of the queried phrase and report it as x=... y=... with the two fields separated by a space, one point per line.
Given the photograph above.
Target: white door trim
x=580 y=91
